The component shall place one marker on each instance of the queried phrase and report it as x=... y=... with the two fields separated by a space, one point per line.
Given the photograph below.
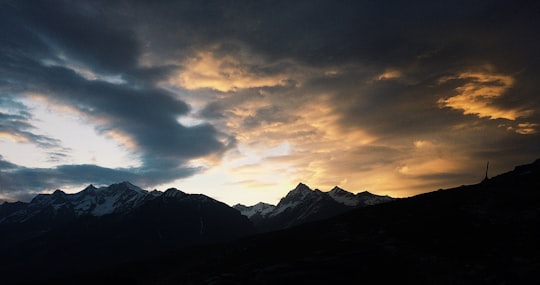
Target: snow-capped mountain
x=122 y=215
x=116 y=198
x=360 y=199
x=344 y=197
x=302 y=204
x=260 y=208
x=369 y=199
x=257 y=212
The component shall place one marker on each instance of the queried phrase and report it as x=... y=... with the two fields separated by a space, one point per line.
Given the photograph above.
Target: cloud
x=228 y=72
x=527 y=128
x=389 y=74
x=478 y=93
x=6 y=165
x=80 y=33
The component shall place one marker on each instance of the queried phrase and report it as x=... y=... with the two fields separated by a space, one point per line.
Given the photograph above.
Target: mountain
x=485 y=233
x=361 y=199
x=257 y=212
x=48 y=211
x=98 y=227
x=302 y=205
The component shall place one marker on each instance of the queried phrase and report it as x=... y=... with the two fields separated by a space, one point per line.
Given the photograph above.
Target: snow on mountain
x=260 y=208
x=92 y=201
x=107 y=200
x=369 y=199
x=171 y=192
x=344 y=197
x=302 y=204
x=302 y=194
x=360 y=199
x=113 y=199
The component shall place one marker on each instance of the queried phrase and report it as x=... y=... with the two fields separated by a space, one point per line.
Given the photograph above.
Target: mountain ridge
x=303 y=204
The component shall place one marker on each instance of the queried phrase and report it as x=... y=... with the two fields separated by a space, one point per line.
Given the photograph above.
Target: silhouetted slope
x=480 y=234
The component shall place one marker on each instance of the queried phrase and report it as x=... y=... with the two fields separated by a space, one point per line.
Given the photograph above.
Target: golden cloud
x=477 y=94
x=526 y=128
x=225 y=73
x=389 y=74
x=122 y=138
x=423 y=144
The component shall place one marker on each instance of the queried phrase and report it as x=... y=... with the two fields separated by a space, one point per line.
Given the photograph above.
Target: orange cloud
x=13 y=137
x=389 y=74
x=477 y=94
x=224 y=73
x=526 y=128
x=423 y=144
x=122 y=138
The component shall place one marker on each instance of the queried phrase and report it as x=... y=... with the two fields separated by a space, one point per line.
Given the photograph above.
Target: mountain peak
x=300 y=192
x=365 y=194
x=338 y=189
x=126 y=185
x=302 y=187
x=90 y=187
x=343 y=196
x=58 y=192
x=173 y=192
x=260 y=208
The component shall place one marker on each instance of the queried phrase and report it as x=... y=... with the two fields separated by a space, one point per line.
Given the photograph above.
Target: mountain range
x=302 y=205
x=123 y=222
x=486 y=233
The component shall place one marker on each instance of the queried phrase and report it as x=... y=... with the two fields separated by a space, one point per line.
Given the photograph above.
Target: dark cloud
x=6 y=165
x=23 y=183
x=82 y=33
x=330 y=32
x=268 y=115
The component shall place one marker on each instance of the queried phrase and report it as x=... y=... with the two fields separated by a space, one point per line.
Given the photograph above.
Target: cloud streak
x=478 y=93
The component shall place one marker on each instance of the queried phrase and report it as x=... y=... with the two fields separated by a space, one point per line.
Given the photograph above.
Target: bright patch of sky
x=245 y=176
x=79 y=143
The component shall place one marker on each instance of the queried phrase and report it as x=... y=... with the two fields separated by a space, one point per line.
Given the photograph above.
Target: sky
x=242 y=100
